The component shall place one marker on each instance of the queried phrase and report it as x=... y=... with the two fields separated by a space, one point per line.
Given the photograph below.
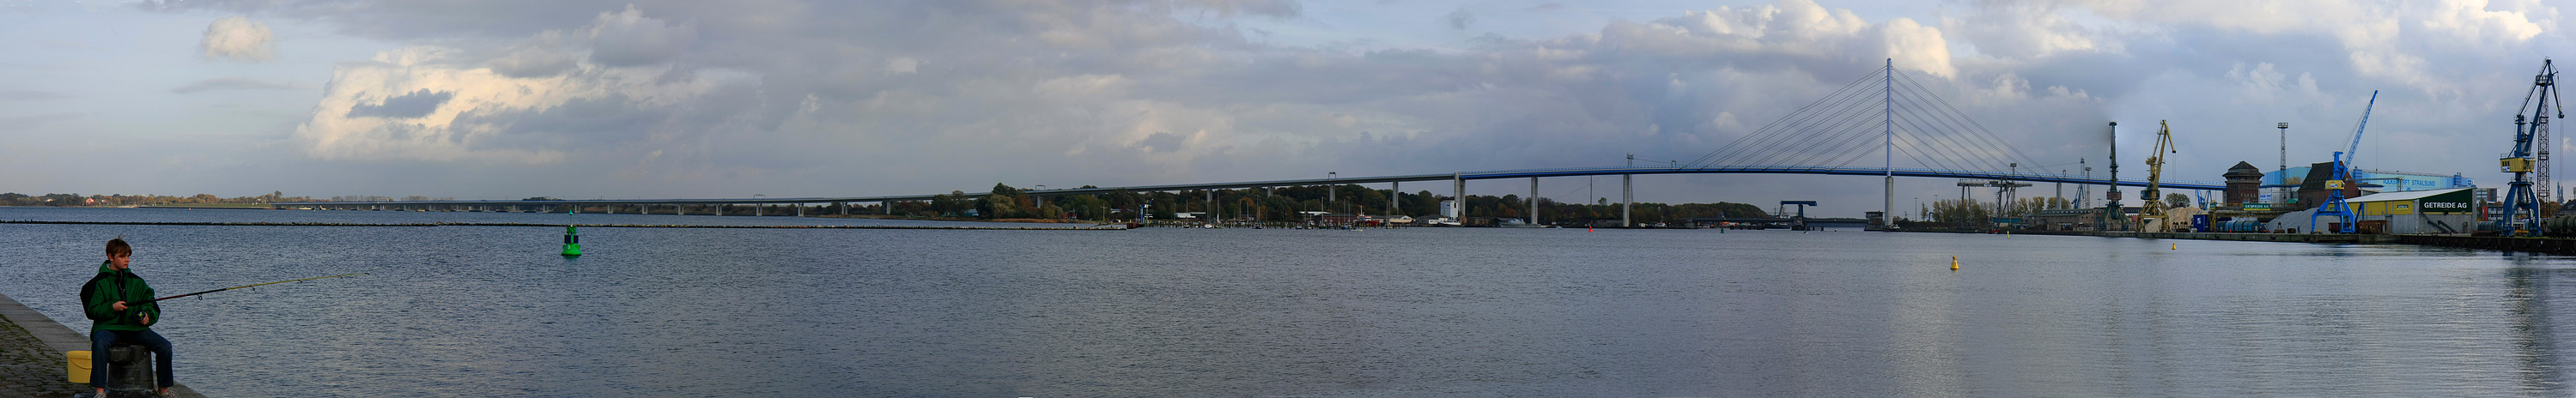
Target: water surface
x=493 y=311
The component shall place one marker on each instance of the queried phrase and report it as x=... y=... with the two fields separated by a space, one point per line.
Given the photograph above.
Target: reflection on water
x=492 y=311
x=2531 y=292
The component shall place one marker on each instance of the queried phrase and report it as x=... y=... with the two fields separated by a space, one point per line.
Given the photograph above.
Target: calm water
x=492 y=311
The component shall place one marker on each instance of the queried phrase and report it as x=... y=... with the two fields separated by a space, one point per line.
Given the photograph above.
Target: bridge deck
x=1478 y=175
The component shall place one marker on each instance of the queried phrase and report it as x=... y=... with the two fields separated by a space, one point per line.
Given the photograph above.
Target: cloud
x=236 y=38
x=543 y=55
x=30 y=95
x=725 y=96
x=1161 y=142
x=417 y=104
x=630 y=39
x=1460 y=19
x=9 y=123
x=234 y=83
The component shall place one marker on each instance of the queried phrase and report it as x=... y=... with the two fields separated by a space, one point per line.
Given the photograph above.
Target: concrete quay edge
x=62 y=338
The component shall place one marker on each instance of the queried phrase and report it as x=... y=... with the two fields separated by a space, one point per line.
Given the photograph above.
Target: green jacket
x=110 y=286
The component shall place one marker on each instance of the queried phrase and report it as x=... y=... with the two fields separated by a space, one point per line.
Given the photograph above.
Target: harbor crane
x=2153 y=212
x=2521 y=202
x=2335 y=204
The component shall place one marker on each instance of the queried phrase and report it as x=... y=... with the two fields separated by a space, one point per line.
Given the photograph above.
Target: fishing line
x=243 y=286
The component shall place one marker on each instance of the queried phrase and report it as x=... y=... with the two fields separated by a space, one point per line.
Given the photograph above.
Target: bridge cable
x=1946 y=131
x=1784 y=141
x=1933 y=144
x=1979 y=127
x=1856 y=151
x=1772 y=143
x=1826 y=137
x=1793 y=115
x=1759 y=135
x=1938 y=138
x=1838 y=99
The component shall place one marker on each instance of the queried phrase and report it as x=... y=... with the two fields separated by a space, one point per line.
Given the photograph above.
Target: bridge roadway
x=1460 y=178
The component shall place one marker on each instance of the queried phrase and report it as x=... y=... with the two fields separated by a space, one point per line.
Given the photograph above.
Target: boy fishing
x=120 y=310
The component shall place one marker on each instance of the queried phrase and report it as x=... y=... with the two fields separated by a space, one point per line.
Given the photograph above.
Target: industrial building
x=2290 y=189
x=2441 y=211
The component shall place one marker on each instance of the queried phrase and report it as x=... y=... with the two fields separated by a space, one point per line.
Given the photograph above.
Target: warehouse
x=2434 y=211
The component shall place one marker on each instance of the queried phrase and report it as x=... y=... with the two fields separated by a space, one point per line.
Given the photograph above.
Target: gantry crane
x=2521 y=206
x=2152 y=214
x=2335 y=204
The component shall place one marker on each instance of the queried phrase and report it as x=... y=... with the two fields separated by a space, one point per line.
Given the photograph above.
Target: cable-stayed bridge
x=1834 y=135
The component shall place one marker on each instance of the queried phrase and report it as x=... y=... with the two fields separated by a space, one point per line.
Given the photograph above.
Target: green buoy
x=572 y=242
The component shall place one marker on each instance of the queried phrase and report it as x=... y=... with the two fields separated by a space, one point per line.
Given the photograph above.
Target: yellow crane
x=2152 y=215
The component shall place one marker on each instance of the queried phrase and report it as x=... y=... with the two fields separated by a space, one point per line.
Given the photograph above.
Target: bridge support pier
x=1627 y=197
x=1458 y=196
x=1395 y=192
x=1533 y=202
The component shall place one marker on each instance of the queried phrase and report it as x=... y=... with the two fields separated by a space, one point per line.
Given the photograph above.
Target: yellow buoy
x=1954 y=263
x=2176 y=246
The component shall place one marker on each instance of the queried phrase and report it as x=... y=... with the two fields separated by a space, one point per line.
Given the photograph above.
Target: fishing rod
x=243 y=286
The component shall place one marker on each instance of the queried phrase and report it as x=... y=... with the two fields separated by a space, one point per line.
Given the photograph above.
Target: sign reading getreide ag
x=2455 y=202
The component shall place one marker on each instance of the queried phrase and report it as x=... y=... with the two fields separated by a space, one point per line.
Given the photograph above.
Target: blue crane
x=2335 y=205
x=2521 y=206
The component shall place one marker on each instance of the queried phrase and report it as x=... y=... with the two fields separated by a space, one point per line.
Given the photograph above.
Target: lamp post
x=2285 y=145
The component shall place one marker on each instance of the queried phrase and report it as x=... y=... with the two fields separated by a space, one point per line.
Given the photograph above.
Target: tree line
x=1971 y=213
x=74 y=199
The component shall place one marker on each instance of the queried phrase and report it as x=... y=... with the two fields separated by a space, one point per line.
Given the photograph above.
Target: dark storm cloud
x=416 y=104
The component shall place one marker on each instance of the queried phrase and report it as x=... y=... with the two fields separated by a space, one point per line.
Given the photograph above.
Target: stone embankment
x=31 y=355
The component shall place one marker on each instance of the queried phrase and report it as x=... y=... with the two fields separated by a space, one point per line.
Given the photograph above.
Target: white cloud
x=237 y=39
x=365 y=114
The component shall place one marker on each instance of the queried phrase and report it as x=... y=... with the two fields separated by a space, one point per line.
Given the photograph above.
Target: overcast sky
x=506 y=99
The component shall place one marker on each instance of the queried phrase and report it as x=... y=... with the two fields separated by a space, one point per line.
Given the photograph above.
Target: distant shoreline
x=254 y=206
x=489 y=224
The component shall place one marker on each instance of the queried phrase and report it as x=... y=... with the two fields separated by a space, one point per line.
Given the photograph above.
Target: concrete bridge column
x=1458 y=194
x=845 y=208
x=1627 y=197
x=1395 y=191
x=800 y=209
x=756 y=210
x=1533 y=201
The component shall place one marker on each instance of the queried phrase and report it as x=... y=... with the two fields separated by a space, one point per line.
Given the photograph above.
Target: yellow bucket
x=80 y=366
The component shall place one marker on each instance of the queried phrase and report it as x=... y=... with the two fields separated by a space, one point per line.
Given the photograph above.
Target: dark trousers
x=100 y=340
